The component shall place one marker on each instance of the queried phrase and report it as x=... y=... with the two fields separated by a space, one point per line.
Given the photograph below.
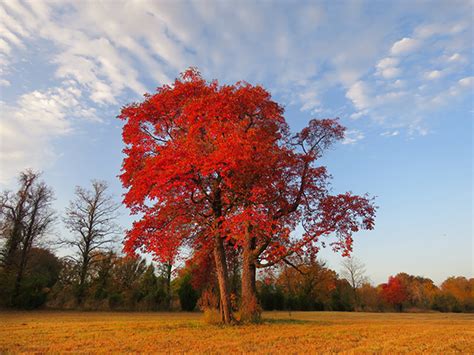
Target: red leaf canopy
x=203 y=159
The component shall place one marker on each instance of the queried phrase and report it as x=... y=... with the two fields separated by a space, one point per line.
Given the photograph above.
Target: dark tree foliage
x=41 y=274
x=188 y=296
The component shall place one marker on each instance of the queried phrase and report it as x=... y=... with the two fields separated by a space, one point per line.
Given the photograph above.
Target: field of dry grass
x=303 y=332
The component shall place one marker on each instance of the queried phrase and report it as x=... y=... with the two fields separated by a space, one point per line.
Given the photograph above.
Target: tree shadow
x=295 y=321
x=284 y=321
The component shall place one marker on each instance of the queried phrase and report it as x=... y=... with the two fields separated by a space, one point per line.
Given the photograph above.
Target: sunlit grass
x=302 y=332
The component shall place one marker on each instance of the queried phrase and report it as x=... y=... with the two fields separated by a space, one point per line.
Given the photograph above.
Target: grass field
x=303 y=332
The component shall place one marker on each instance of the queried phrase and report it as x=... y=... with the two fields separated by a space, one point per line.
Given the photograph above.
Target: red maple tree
x=213 y=167
x=394 y=292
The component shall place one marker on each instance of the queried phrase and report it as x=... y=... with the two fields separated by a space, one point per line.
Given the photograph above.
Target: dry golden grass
x=303 y=332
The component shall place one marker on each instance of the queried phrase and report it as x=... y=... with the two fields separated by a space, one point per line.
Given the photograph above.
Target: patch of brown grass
x=303 y=332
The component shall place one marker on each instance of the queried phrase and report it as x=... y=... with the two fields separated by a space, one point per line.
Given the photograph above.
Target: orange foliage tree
x=462 y=289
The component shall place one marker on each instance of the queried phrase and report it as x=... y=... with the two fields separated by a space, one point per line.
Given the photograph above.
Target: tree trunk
x=11 y=247
x=19 y=275
x=249 y=309
x=221 y=270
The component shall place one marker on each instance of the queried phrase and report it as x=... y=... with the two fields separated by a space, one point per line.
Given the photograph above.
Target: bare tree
x=13 y=211
x=25 y=218
x=90 y=217
x=353 y=270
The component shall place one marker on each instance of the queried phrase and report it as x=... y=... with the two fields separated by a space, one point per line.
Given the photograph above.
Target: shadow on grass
x=285 y=321
x=295 y=321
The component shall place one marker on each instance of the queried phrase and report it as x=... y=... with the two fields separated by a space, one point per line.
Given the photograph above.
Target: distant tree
x=369 y=298
x=309 y=284
x=91 y=218
x=14 y=210
x=127 y=276
x=152 y=293
x=188 y=296
x=62 y=293
x=353 y=270
x=462 y=289
x=446 y=302
x=420 y=290
x=342 y=296
x=41 y=274
x=394 y=292
x=26 y=217
x=102 y=275
x=271 y=296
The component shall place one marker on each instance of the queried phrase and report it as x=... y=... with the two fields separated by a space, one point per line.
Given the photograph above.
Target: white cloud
x=390 y=73
x=4 y=82
x=423 y=82
x=28 y=128
x=388 y=62
x=434 y=74
x=89 y=58
x=467 y=82
x=5 y=48
x=353 y=136
x=399 y=83
x=359 y=114
x=309 y=97
x=429 y=30
x=111 y=47
x=387 y=68
x=432 y=29
x=358 y=93
x=456 y=57
x=390 y=133
x=405 y=45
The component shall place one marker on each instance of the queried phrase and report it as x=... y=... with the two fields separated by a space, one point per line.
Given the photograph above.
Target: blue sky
x=398 y=73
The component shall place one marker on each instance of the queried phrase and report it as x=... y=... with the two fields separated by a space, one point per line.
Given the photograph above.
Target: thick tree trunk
x=250 y=309
x=222 y=278
x=221 y=263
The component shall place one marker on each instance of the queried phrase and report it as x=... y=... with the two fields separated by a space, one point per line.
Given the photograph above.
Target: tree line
x=31 y=275
x=94 y=277
x=319 y=288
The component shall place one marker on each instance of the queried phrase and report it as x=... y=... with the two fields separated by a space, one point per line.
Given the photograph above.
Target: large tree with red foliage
x=215 y=167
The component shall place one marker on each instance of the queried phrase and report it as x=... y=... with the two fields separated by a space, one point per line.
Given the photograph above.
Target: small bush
x=212 y=316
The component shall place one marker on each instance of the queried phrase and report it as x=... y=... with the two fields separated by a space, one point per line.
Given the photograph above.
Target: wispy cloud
x=353 y=136
x=422 y=73
x=404 y=46
x=28 y=127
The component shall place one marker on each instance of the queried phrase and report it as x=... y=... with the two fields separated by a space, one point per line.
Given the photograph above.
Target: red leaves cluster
x=395 y=291
x=203 y=160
